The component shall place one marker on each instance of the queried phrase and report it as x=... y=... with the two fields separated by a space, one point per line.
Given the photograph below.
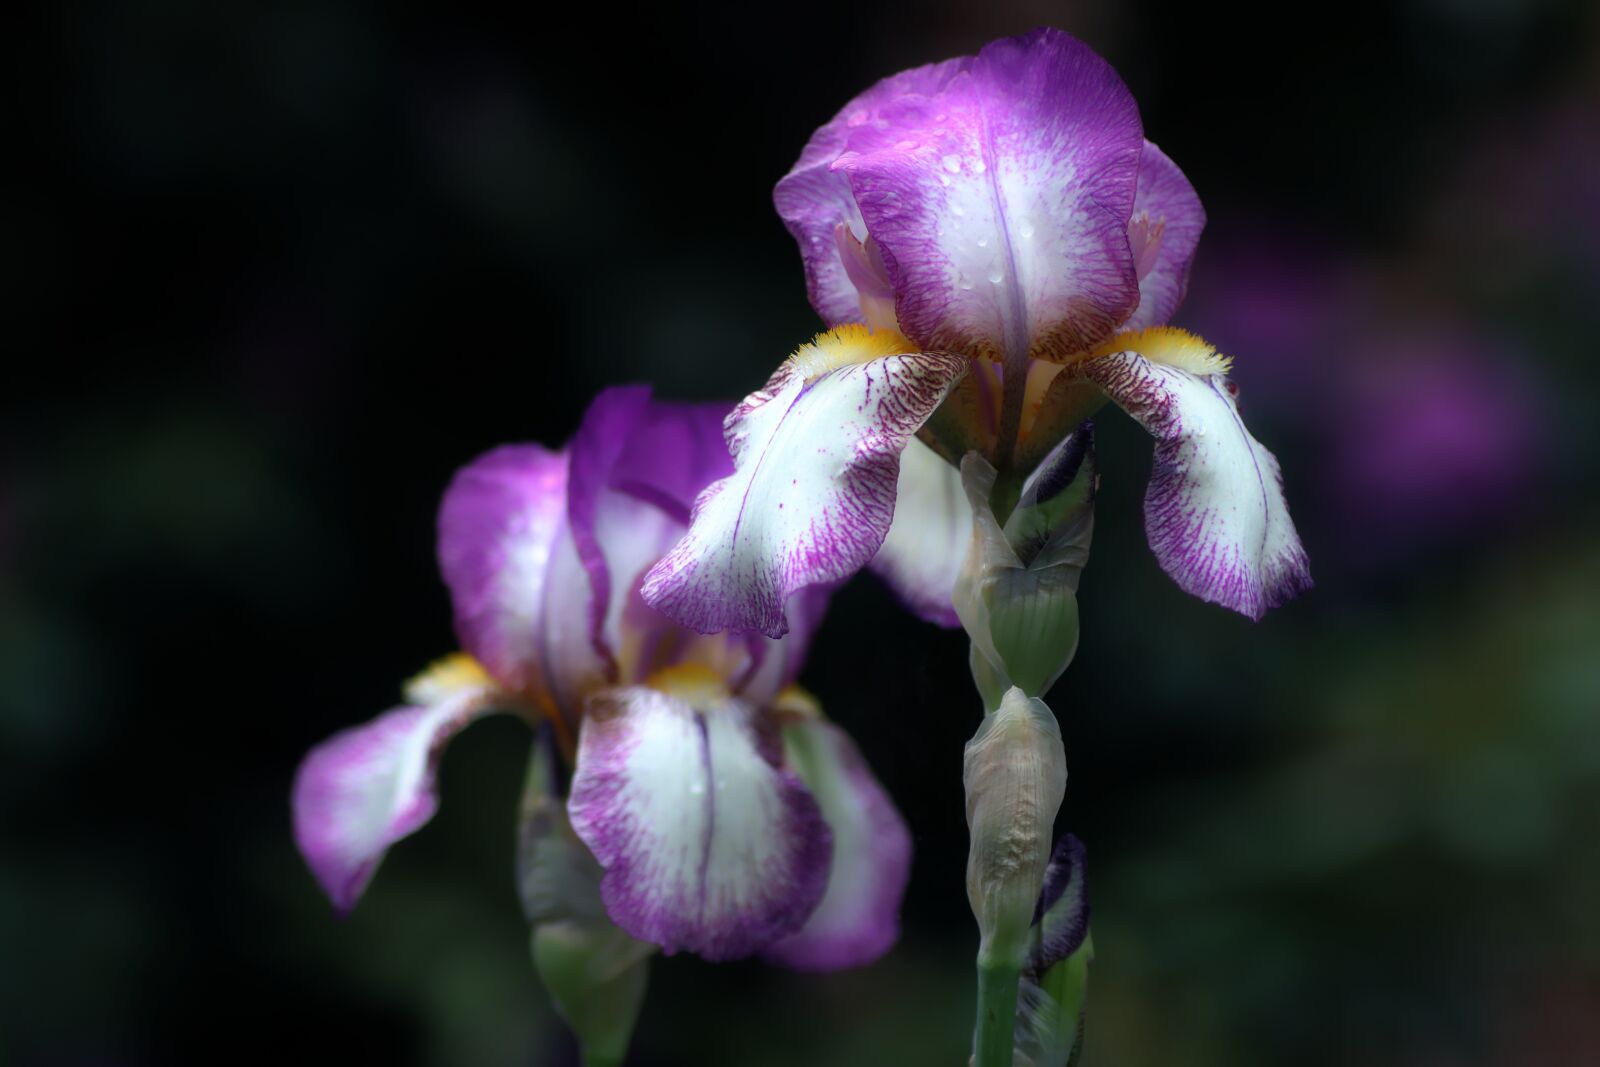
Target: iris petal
x=858 y=918
x=707 y=845
x=507 y=554
x=1165 y=229
x=927 y=541
x=636 y=467
x=1214 y=512
x=998 y=189
x=816 y=466
x=369 y=786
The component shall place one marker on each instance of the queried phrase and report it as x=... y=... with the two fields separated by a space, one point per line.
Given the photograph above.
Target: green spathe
x=1017 y=592
x=596 y=975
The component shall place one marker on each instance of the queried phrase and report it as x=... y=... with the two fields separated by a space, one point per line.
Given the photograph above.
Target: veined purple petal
x=998 y=189
x=858 y=919
x=816 y=465
x=928 y=539
x=363 y=789
x=707 y=845
x=507 y=555
x=637 y=466
x=1214 y=511
x=1163 y=233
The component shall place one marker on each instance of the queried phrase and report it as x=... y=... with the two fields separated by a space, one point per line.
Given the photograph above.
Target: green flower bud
x=1017 y=592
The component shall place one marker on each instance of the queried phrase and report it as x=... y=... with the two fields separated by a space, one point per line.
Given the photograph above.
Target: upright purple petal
x=707 y=845
x=1163 y=233
x=858 y=919
x=637 y=466
x=999 y=191
x=816 y=464
x=365 y=788
x=814 y=198
x=507 y=555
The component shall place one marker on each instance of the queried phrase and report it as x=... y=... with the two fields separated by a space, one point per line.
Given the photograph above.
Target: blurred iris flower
x=996 y=248
x=729 y=817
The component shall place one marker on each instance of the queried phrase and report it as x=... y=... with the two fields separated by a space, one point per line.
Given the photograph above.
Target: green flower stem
x=997 y=1012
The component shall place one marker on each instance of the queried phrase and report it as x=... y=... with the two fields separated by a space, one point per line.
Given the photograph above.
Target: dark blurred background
x=274 y=270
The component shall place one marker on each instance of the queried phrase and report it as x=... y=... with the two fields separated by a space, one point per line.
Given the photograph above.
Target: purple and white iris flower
x=728 y=816
x=997 y=249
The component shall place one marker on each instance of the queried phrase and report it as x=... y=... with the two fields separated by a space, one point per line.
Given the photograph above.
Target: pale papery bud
x=1015 y=773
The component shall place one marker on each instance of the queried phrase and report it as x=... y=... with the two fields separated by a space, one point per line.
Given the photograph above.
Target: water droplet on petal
x=953 y=164
x=983 y=242
x=994 y=275
x=1025 y=228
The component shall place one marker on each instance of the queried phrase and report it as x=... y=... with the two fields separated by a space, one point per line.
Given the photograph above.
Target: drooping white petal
x=927 y=541
x=816 y=466
x=707 y=845
x=1215 y=512
x=367 y=787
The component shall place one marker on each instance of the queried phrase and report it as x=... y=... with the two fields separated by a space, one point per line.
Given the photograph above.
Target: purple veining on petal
x=1063 y=913
x=707 y=845
x=858 y=918
x=367 y=787
x=1215 y=514
x=812 y=497
x=1164 y=232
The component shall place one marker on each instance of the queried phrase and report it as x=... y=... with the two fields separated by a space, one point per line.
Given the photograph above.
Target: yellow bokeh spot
x=1169 y=345
x=845 y=346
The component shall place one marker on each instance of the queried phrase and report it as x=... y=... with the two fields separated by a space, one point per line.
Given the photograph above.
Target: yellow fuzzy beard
x=452 y=674
x=695 y=684
x=1169 y=345
x=845 y=346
